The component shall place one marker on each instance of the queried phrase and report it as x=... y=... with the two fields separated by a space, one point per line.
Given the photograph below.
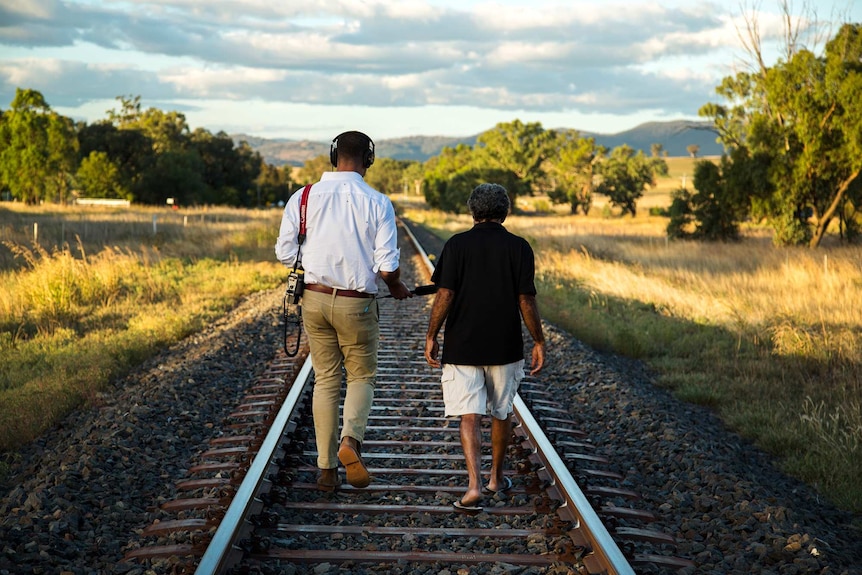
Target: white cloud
x=557 y=59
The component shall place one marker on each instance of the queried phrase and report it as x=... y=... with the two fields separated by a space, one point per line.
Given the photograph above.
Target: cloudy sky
x=310 y=69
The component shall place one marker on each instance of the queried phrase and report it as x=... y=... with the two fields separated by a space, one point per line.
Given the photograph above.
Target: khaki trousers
x=343 y=332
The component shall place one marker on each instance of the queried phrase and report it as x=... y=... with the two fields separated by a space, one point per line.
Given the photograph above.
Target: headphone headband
x=367 y=154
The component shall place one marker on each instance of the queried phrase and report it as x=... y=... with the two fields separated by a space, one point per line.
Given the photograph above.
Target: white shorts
x=481 y=389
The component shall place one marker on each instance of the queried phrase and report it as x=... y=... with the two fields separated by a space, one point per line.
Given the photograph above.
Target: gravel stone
x=80 y=495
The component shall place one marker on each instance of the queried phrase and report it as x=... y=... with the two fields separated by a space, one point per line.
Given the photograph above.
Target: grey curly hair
x=489 y=202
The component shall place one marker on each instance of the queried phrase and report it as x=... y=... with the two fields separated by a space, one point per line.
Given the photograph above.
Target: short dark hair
x=354 y=145
x=489 y=202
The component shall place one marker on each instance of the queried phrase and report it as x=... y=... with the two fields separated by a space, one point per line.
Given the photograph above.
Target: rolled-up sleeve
x=286 y=244
x=386 y=252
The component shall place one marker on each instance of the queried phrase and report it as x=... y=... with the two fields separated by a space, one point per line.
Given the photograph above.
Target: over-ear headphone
x=367 y=155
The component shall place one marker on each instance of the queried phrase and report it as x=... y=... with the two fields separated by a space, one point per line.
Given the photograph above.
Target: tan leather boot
x=328 y=480
x=348 y=455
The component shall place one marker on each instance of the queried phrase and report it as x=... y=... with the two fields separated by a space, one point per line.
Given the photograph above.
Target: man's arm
x=530 y=313
x=439 y=311
x=396 y=287
x=286 y=246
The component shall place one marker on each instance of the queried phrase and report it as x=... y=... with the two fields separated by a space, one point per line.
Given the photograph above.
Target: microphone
x=424 y=290
x=418 y=290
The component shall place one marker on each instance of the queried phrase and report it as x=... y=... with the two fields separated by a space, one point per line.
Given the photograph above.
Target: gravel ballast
x=79 y=496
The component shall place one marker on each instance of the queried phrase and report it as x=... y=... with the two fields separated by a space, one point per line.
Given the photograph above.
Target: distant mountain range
x=674 y=136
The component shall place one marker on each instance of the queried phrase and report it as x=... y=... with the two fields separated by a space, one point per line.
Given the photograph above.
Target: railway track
x=251 y=504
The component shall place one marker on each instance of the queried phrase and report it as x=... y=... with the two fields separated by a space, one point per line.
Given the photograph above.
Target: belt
x=320 y=288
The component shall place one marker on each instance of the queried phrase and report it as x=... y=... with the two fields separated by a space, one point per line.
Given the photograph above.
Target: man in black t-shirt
x=485 y=281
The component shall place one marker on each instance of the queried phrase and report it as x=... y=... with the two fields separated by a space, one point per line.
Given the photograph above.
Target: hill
x=674 y=136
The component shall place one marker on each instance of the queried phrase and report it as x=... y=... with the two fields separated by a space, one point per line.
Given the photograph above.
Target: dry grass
x=75 y=316
x=770 y=338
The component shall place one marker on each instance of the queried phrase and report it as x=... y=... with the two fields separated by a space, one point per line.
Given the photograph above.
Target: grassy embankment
x=100 y=290
x=770 y=338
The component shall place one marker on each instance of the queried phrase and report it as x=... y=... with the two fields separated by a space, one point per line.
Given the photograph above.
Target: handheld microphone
x=418 y=290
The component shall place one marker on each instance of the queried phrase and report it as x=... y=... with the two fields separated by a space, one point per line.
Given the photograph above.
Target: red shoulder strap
x=303 y=208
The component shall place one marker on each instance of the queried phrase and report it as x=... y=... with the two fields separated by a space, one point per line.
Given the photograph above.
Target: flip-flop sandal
x=463 y=508
x=506 y=487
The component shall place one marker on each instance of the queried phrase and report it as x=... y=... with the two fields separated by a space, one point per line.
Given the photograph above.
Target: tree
x=274 y=184
x=130 y=151
x=168 y=131
x=657 y=150
x=229 y=171
x=693 y=150
x=177 y=175
x=439 y=170
x=413 y=176
x=681 y=214
x=571 y=169
x=453 y=192
x=38 y=149
x=519 y=149
x=387 y=175
x=312 y=169
x=99 y=177
x=625 y=175
x=804 y=114
x=712 y=205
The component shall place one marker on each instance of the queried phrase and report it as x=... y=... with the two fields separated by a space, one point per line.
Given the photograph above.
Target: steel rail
x=601 y=553
x=218 y=554
x=602 y=544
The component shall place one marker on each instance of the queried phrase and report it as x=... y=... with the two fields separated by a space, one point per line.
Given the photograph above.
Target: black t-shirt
x=487 y=267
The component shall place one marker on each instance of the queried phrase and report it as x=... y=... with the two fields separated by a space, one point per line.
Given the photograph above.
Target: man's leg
x=357 y=322
x=471 y=443
x=503 y=382
x=501 y=435
x=326 y=396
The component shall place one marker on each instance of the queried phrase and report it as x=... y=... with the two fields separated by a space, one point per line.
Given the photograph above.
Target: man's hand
x=396 y=287
x=439 y=310
x=432 y=348
x=537 y=360
x=400 y=290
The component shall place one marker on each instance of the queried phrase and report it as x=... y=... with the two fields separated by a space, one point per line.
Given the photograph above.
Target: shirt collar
x=341 y=176
x=488 y=225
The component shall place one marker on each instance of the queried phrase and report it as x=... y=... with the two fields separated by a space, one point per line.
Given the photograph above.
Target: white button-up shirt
x=351 y=233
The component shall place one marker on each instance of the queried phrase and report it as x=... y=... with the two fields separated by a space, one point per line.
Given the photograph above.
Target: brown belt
x=342 y=292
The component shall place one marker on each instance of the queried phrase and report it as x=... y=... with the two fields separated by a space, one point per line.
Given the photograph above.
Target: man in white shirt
x=351 y=238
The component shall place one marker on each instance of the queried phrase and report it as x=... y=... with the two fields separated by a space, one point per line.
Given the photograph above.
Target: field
x=88 y=293
x=769 y=338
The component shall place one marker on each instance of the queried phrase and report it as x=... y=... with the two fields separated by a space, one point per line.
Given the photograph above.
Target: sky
x=311 y=69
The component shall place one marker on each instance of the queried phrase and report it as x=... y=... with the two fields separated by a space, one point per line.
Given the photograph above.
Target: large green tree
x=440 y=170
x=38 y=150
x=518 y=149
x=805 y=115
x=512 y=154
